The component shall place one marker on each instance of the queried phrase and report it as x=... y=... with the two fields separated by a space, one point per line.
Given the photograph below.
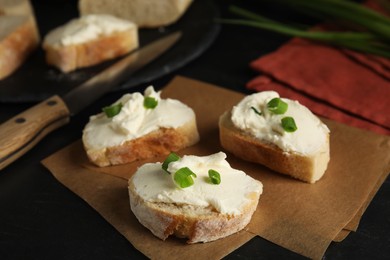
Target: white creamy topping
x=134 y=120
x=155 y=185
x=310 y=136
x=87 y=28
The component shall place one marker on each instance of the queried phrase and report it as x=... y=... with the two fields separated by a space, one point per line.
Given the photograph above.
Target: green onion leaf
x=214 y=176
x=113 y=110
x=367 y=31
x=288 y=124
x=277 y=106
x=349 y=11
x=256 y=111
x=150 y=102
x=172 y=157
x=183 y=177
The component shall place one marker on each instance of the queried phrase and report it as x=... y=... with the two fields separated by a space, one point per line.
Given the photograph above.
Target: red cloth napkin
x=342 y=85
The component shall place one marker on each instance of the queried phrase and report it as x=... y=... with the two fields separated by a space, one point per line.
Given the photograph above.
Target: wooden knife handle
x=20 y=133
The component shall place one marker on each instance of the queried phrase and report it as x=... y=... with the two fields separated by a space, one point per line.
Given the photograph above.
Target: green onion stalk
x=372 y=38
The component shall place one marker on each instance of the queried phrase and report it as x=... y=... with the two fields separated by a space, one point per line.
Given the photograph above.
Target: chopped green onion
x=183 y=177
x=113 y=110
x=150 y=102
x=288 y=124
x=277 y=106
x=214 y=176
x=256 y=111
x=172 y=157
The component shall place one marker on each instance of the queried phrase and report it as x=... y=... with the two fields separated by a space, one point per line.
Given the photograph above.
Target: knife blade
x=23 y=131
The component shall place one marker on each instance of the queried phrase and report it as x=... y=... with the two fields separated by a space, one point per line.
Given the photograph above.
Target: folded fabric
x=378 y=64
x=342 y=85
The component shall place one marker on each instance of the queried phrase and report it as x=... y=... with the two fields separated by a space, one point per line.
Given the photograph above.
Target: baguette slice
x=138 y=131
x=156 y=143
x=68 y=55
x=145 y=13
x=197 y=224
x=187 y=219
x=18 y=38
x=308 y=168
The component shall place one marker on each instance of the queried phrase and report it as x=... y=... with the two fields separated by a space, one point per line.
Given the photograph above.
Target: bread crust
x=71 y=57
x=197 y=224
x=145 y=13
x=16 y=46
x=303 y=167
x=159 y=142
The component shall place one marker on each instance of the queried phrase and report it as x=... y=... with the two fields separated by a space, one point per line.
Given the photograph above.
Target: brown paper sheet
x=304 y=218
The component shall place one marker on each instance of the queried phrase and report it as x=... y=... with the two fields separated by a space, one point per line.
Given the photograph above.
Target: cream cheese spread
x=87 y=28
x=134 y=120
x=311 y=133
x=154 y=184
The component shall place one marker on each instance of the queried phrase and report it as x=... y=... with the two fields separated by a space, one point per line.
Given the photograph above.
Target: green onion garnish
x=113 y=110
x=183 y=177
x=367 y=31
x=288 y=124
x=150 y=102
x=256 y=111
x=214 y=176
x=277 y=106
x=172 y=157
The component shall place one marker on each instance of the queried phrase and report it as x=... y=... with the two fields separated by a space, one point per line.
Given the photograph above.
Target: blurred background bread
x=145 y=13
x=19 y=34
x=89 y=40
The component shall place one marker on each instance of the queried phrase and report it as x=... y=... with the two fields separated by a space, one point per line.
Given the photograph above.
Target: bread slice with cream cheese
x=138 y=131
x=89 y=40
x=145 y=13
x=202 y=212
x=254 y=133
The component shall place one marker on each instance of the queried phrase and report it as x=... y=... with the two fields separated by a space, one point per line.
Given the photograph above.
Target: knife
x=20 y=133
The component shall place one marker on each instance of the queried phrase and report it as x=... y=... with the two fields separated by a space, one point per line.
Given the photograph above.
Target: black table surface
x=42 y=219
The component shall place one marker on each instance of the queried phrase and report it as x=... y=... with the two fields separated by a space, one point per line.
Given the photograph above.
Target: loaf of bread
x=145 y=13
x=145 y=126
x=201 y=210
x=89 y=40
x=257 y=130
x=19 y=35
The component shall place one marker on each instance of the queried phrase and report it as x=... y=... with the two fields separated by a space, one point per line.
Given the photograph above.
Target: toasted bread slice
x=197 y=224
x=308 y=168
x=145 y=13
x=156 y=143
x=18 y=38
x=143 y=126
x=68 y=55
x=171 y=210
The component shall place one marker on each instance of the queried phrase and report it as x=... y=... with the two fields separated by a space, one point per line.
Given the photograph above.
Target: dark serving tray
x=35 y=80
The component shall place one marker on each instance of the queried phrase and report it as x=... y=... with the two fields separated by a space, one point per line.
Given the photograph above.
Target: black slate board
x=35 y=80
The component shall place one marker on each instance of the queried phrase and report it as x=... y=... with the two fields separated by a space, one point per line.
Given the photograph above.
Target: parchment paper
x=301 y=217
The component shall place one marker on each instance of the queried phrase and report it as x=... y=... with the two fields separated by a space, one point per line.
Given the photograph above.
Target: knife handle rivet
x=51 y=102
x=20 y=120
